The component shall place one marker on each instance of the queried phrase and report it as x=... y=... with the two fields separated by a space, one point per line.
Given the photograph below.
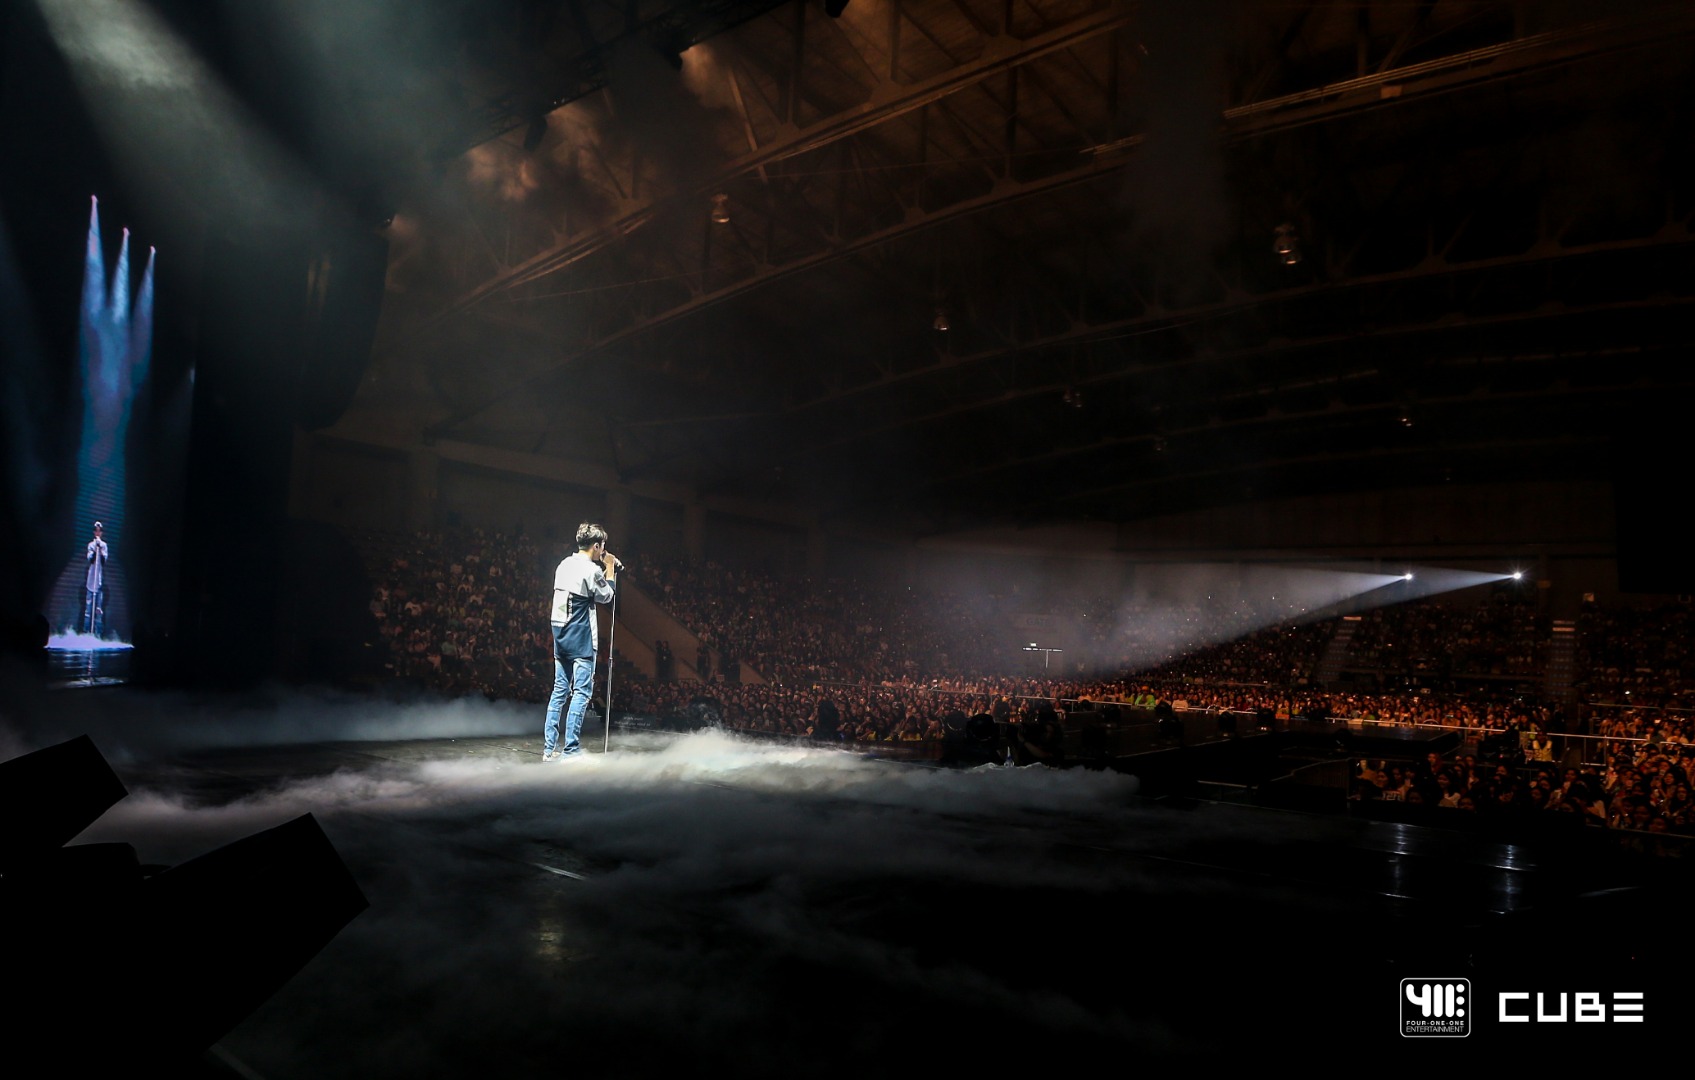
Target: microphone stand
x=611 y=638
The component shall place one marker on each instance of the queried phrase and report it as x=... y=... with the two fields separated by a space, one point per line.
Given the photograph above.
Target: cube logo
x=1435 y=1008
x=1586 y=1007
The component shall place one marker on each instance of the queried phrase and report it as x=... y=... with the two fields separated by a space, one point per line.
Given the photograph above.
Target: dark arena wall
x=1150 y=537
x=1562 y=532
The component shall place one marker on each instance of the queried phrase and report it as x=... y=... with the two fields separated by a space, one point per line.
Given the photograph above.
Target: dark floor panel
x=701 y=901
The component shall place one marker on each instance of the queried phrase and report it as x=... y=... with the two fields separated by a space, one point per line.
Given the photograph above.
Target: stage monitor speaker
x=115 y=968
x=49 y=796
x=226 y=930
x=115 y=973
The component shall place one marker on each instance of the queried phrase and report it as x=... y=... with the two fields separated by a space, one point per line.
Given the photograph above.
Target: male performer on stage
x=94 y=585
x=583 y=580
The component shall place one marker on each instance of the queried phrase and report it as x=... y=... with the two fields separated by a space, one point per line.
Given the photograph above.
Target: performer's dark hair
x=589 y=534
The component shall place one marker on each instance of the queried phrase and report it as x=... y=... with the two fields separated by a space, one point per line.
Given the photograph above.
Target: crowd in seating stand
x=464 y=611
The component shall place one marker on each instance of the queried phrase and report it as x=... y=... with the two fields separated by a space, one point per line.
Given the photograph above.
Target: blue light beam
x=114 y=346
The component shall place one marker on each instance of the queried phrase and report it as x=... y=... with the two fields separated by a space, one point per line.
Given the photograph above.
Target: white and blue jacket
x=578 y=585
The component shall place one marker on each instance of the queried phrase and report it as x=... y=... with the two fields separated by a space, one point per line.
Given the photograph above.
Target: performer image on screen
x=582 y=580
x=94 y=585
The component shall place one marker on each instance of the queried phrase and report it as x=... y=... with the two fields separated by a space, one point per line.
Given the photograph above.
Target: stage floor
x=704 y=901
x=80 y=662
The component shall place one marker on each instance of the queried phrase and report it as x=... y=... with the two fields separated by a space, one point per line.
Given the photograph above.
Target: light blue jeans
x=575 y=686
x=93 y=621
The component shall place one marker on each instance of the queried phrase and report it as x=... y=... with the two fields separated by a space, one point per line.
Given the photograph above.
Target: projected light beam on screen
x=114 y=346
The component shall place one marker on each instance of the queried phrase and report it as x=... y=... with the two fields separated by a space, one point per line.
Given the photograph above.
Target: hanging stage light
x=720 y=209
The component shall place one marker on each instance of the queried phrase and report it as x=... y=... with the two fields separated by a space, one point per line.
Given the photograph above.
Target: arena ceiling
x=1184 y=254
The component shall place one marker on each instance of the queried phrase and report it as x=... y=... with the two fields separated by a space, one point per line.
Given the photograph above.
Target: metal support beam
x=882 y=106
x=1001 y=399
x=1312 y=106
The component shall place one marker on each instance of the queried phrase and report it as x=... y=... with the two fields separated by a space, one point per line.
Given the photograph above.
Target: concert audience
x=1433 y=644
x=464 y=611
x=459 y=611
x=1636 y=655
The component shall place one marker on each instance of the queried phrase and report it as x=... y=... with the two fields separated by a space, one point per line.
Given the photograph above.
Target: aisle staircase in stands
x=642 y=621
x=1559 y=677
x=1335 y=656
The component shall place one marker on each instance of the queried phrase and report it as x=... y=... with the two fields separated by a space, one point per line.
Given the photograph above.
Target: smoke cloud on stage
x=520 y=909
x=139 y=727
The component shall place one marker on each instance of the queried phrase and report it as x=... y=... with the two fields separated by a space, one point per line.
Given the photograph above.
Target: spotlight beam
x=164 y=113
x=115 y=344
